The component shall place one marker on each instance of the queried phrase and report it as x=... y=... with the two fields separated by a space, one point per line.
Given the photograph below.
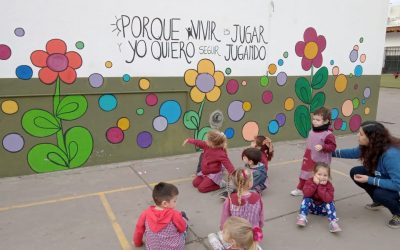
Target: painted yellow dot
x=367 y=110
x=9 y=107
x=108 y=64
x=311 y=50
x=272 y=68
x=289 y=103
x=340 y=83
x=144 y=84
x=123 y=123
x=246 y=106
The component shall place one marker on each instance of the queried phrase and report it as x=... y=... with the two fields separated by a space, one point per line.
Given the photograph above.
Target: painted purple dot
x=281 y=78
x=160 y=123
x=57 y=62
x=115 y=135
x=151 y=99
x=355 y=123
x=205 y=82
x=367 y=92
x=96 y=80
x=5 y=52
x=232 y=86
x=13 y=142
x=353 y=55
x=281 y=118
x=267 y=96
x=19 y=32
x=144 y=139
x=235 y=111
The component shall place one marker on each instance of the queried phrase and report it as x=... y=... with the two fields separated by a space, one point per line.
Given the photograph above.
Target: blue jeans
x=325 y=209
x=388 y=198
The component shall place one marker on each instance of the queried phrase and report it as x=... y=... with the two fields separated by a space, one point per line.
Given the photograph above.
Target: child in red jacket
x=163 y=227
x=214 y=157
x=318 y=197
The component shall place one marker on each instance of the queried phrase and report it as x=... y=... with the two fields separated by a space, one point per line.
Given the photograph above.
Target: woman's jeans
x=388 y=198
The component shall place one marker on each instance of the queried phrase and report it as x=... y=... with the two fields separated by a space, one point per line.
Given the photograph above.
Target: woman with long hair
x=379 y=176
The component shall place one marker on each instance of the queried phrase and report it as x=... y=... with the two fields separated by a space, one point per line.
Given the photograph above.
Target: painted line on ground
x=74 y=197
x=125 y=245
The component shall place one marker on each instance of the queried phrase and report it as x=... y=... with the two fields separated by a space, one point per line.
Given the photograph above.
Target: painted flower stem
x=56 y=102
x=200 y=112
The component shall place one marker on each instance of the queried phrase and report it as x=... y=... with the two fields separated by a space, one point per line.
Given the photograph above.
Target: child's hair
x=260 y=142
x=164 y=192
x=320 y=165
x=242 y=178
x=217 y=139
x=253 y=154
x=240 y=231
x=324 y=112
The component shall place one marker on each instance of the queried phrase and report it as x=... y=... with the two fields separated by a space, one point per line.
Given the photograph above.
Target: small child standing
x=318 y=198
x=244 y=203
x=237 y=233
x=214 y=156
x=319 y=147
x=264 y=144
x=163 y=227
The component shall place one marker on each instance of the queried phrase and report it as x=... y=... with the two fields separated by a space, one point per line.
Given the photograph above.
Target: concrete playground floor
x=97 y=207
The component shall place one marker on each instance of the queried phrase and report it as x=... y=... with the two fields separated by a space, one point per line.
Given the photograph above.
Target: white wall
x=342 y=22
x=392 y=39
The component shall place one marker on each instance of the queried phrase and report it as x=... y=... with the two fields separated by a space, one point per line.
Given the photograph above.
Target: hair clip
x=244 y=174
x=257 y=234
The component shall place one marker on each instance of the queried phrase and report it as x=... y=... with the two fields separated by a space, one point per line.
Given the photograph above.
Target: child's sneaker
x=373 y=206
x=394 y=222
x=301 y=220
x=334 y=227
x=296 y=192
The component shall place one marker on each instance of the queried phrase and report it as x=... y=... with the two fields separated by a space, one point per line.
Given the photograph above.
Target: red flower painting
x=56 y=62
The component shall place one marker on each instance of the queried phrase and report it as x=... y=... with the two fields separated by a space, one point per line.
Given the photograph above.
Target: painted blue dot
x=280 y=62
x=334 y=113
x=363 y=101
x=344 y=126
x=24 y=72
x=332 y=62
x=108 y=102
x=358 y=70
x=229 y=133
x=126 y=78
x=273 y=127
x=171 y=110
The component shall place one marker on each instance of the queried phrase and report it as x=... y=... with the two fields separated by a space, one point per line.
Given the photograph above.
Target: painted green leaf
x=320 y=78
x=317 y=102
x=303 y=90
x=302 y=120
x=191 y=120
x=40 y=123
x=79 y=145
x=202 y=133
x=72 y=107
x=46 y=157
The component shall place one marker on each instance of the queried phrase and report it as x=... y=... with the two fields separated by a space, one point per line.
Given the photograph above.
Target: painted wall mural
x=65 y=107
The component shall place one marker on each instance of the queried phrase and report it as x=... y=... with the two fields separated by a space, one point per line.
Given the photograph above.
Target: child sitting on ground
x=252 y=159
x=237 y=233
x=318 y=198
x=320 y=145
x=244 y=203
x=214 y=157
x=163 y=227
x=264 y=144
